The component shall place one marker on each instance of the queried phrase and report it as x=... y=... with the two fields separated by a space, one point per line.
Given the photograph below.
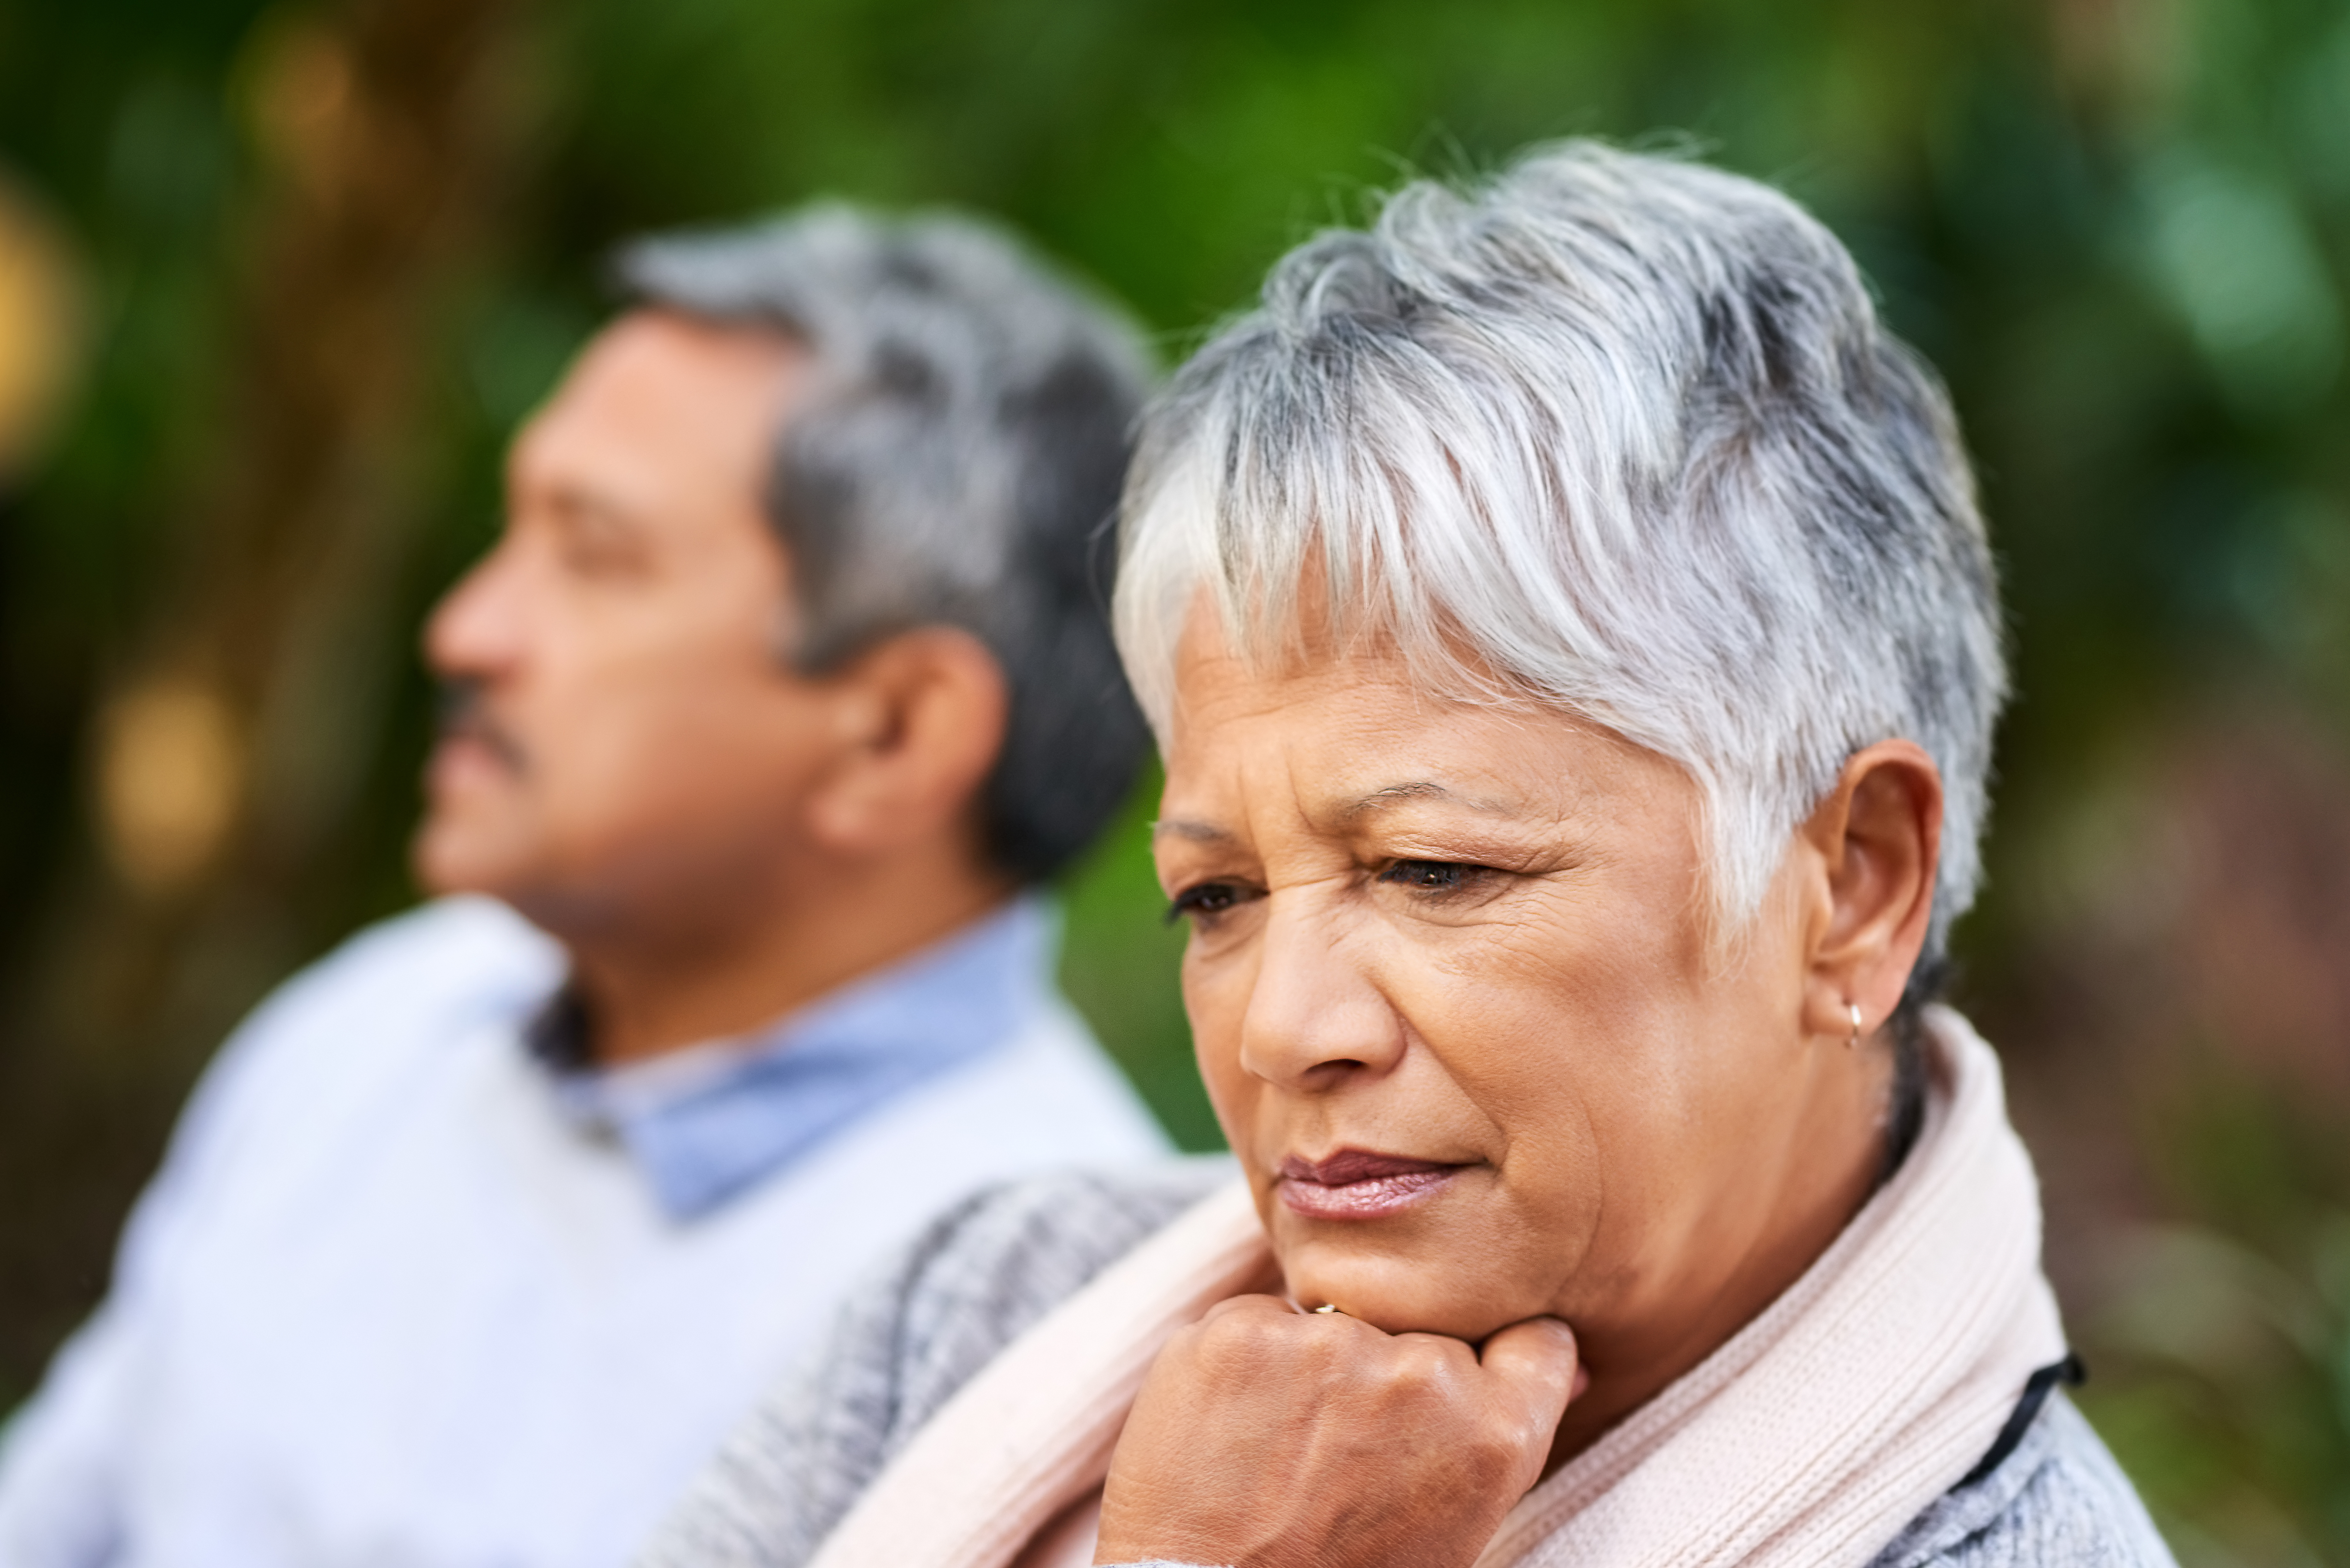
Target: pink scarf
x=1825 y=1425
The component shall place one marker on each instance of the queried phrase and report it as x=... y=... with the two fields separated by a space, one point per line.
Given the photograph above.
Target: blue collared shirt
x=709 y=1121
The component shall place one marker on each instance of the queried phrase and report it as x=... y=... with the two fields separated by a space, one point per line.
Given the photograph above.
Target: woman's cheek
x=1217 y=1014
x=1556 y=1193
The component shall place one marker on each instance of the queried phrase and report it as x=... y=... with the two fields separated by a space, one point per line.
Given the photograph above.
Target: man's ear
x=922 y=718
x=1876 y=842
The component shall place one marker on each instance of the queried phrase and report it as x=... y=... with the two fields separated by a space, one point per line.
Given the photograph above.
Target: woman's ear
x=923 y=717
x=1876 y=840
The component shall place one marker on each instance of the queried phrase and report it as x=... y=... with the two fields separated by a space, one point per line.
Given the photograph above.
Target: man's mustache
x=464 y=713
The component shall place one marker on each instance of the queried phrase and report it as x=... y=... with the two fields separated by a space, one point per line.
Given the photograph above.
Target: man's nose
x=476 y=630
x=1316 y=1015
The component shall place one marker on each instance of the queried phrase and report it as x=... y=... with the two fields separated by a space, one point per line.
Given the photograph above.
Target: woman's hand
x=1275 y=1438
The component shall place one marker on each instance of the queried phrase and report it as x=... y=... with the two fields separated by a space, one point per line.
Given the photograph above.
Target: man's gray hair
x=1618 y=432
x=956 y=461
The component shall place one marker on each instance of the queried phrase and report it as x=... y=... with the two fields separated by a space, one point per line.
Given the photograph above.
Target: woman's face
x=1453 y=997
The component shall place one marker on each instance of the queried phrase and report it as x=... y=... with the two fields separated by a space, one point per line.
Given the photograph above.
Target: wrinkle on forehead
x=1345 y=742
x=1318 y=658
x=1438 y=753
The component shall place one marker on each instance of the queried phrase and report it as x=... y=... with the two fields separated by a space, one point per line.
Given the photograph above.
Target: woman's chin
x=1401 y=1295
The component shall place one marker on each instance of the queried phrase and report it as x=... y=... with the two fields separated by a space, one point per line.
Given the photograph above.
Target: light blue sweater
x=401 y=1295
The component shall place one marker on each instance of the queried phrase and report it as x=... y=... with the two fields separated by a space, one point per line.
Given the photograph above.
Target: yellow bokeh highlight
x=40 y=331
x=171 y=777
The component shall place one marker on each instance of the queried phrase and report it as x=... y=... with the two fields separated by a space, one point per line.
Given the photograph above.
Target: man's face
x=631 y=742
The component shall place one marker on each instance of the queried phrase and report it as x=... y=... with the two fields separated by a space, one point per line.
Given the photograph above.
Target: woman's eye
x=1431 y=876
x=1204 y=902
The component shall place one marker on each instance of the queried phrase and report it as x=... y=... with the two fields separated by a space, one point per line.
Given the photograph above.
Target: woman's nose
x=1314 y=1015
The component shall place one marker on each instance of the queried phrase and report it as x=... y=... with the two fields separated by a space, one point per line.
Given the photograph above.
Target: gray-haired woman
x=1566 y=620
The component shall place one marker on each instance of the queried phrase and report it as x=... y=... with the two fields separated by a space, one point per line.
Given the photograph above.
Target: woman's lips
x=1353 y=1185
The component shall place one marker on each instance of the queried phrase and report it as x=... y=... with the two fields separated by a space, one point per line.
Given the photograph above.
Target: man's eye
x=601 y=558
x=592 y=545
x=1204 y=902
x=1431 y=876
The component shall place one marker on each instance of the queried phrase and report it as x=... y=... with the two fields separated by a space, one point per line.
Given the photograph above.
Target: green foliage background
x=2120 y=227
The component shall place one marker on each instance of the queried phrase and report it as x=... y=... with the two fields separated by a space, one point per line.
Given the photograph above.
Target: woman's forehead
x=1343 y=806
x=1349 y=756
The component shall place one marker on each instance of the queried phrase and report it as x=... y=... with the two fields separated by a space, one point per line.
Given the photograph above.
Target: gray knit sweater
x=988 y=1268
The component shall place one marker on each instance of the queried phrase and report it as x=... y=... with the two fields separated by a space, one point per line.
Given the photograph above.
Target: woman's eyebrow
x=1394 y=794
x=1194 y=832
x=1377 y=800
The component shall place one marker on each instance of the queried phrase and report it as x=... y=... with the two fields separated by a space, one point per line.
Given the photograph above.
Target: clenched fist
x=1271 y=1437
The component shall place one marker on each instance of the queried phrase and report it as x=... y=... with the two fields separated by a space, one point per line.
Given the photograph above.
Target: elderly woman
x=1566 y=620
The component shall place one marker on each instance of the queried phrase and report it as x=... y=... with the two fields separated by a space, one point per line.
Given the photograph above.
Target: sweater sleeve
x=979 y=1276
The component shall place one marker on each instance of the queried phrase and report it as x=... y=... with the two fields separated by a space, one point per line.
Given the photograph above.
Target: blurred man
x=788 y=676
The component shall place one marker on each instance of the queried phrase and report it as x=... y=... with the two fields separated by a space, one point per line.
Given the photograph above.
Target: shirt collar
x=709 y=1121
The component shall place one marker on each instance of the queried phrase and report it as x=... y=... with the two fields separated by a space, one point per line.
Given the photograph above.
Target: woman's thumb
x=1536 y=1359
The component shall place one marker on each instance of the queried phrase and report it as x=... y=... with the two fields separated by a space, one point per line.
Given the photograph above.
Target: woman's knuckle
x=1501 y=1442
x=1237 y=1341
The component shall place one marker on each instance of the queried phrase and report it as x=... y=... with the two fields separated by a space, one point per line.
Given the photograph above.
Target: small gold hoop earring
x=1853 y=1008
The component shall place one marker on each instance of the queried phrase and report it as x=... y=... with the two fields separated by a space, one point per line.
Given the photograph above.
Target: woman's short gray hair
x=955 y=460
x=1618 y=432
